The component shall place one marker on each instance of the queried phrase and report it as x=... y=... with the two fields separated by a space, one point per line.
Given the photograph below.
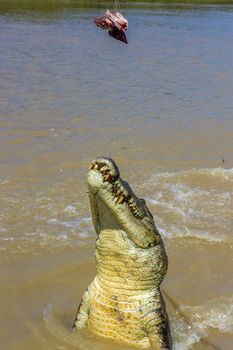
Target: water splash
x=191 y=324
x=195 y=203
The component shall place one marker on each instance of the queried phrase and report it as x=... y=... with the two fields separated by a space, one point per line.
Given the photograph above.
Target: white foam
x=7 y=238
x=174 y=232
x=187 y=204
x=63 y=235
x=217 y=313
x=196 y=321
x=53 y=221
x=189 y=325
x=70 y=210
x=193 y=203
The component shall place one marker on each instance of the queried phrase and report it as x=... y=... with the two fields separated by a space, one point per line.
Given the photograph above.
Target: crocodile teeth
x=107 y=177
x=132 y=206
x=119 y=191
x=121 y=200
x=114 y=193
x=104 y=168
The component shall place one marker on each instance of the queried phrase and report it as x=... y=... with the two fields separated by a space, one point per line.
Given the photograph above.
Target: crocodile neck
x=121 y=265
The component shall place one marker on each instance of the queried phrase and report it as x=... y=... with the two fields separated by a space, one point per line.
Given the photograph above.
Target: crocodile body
x=124 y=301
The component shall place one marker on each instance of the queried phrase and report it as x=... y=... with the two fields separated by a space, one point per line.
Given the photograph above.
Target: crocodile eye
x=114 y=178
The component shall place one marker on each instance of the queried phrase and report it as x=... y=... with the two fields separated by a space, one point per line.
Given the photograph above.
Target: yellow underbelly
x=118 y=316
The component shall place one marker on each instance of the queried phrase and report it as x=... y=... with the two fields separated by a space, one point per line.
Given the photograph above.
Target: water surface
x=162 y=107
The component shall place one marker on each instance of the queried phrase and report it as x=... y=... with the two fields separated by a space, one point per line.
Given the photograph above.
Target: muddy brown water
x=162 y=107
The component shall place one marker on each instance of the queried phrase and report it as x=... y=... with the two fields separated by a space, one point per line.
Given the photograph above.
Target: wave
x=194 y=203
x=82 y=340
x=52 y=235
x=191 y=324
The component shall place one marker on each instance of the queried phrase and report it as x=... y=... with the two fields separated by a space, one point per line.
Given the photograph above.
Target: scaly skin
x=124 y=301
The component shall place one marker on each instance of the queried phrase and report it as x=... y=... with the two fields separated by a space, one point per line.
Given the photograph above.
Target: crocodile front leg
x=83 y=312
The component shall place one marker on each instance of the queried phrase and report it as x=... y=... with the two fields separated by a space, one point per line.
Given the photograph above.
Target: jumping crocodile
x=124 y=301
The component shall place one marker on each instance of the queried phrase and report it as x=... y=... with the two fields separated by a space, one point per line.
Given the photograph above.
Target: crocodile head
x=115 y=206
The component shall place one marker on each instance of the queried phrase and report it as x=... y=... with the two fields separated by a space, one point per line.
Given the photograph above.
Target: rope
x=117 y=5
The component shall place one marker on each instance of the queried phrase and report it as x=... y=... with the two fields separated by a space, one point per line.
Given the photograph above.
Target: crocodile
x=124 y=301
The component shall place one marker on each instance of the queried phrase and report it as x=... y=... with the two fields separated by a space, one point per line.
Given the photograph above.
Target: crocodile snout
x=106 y=167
